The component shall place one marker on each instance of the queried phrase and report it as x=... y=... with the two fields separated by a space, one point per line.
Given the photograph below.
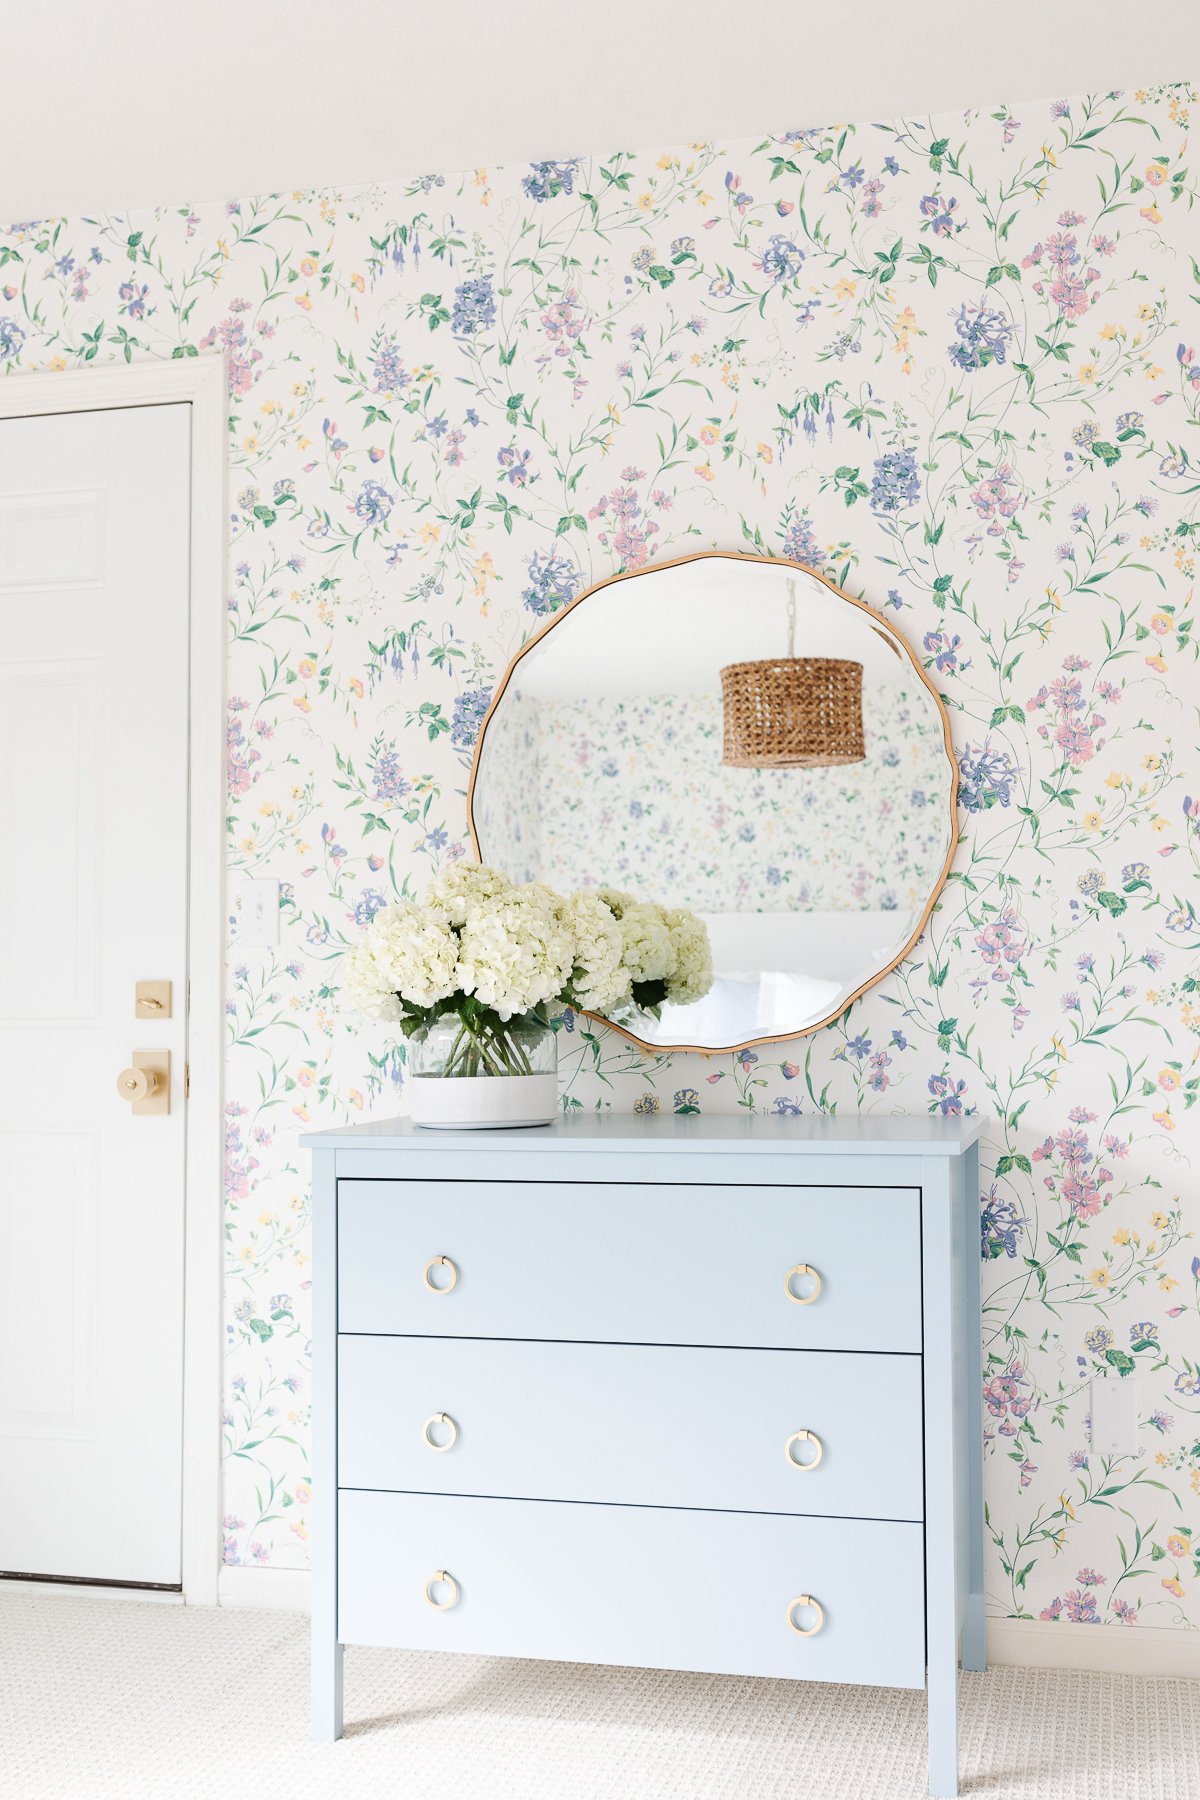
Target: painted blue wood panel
x=644 y=1425
x=589 y=1134
x=645 y=1264
x=655 y=1588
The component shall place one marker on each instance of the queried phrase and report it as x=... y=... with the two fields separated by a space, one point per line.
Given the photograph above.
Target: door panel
x=94 y=557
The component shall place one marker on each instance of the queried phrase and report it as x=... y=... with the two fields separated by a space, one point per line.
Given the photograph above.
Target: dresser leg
x=943 y=1733
x=326 y=1692
x=974 y=1634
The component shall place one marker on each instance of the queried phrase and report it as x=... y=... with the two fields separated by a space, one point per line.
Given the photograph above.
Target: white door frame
x=198 y=382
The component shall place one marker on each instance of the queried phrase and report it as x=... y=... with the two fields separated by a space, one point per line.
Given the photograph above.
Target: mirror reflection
x=801 y=803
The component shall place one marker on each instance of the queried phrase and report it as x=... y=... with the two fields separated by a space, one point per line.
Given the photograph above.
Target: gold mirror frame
x=887 y=630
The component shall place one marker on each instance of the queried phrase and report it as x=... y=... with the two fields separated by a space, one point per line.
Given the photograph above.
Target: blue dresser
x=726 y=1344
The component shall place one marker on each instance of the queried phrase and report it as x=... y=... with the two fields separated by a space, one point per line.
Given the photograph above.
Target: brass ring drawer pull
x=803 y=1299
x=440 y=1419
x=446 y=1580
x=797 y=1437
x=811 y=1605
x=440 y=1262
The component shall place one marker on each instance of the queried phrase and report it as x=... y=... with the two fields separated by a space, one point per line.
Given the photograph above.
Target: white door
x=94 y=560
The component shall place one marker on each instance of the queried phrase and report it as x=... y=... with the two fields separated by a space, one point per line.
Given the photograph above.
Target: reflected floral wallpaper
x=631 y=792
x=952 y=362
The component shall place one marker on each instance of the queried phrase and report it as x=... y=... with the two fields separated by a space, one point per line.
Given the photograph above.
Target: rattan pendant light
x=793 y=712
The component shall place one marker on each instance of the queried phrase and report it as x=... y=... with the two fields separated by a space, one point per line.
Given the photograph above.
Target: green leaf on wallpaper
x=1064 y=1249
x=1120 y=1361
x=1116 y=904
x=939 y=146
x=1002 y=272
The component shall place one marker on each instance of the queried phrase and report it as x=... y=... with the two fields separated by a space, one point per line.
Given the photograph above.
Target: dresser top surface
x=673 y=1132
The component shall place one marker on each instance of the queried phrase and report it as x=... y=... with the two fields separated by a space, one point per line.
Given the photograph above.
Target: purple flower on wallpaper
x=388 y=374
x=943 y=647
x=474 y=307
x=799 y=542
x=133 y=300
x=514 y=466
x=985 y=777
x=984 y=335
x=1000 y=1224
x=895 y=483
x=374 y=503
x=781 y=260
x=12 y=336
x=947 y=1095
x=387 y=780
x=469 y=709
x=552 y=581
x=939 y=215
x=547 y=180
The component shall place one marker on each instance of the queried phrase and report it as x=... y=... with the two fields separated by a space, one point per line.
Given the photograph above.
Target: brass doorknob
x=146 y=1083
x=137 y=1084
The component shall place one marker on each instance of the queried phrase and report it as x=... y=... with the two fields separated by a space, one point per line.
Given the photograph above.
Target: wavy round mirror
x=733 y=735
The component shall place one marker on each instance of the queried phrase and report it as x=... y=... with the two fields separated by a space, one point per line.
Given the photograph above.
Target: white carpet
x=107 y=1701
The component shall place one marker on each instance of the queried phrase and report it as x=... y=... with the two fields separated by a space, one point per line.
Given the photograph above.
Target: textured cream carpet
x=107 y=1701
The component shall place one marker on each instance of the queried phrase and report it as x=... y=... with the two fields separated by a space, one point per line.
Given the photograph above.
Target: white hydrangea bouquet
x=470 y=973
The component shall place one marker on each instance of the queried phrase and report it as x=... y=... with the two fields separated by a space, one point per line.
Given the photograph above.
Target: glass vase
x=469 y=1076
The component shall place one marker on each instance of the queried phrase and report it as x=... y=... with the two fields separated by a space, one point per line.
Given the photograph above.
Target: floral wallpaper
x=630 y=792
x=954 y=362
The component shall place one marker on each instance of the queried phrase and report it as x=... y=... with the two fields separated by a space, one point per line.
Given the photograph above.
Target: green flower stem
x=485 y=1050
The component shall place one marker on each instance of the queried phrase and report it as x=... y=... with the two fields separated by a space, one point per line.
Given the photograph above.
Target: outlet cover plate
x=259 y=922
x=1115 y=1415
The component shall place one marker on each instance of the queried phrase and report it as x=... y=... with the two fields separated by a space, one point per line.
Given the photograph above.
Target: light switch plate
x=1115 y=1415
x=259 y=925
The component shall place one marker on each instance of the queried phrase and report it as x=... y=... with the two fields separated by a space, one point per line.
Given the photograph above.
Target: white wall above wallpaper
x=954 y=364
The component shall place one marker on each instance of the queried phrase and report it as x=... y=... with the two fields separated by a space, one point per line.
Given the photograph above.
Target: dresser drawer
x=649 y=1425
x=669 y=1264
x=641 y=1585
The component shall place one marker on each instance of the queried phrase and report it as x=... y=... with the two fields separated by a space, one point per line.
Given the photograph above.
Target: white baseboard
x=1098 y=1649
x=72 y=1590
x=274 y=1590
